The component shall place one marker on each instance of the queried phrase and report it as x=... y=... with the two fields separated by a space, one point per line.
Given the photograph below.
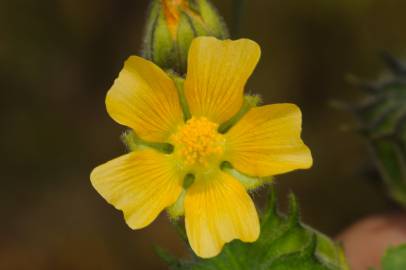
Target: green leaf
x=382 y=119
x=284 y=243
x=395 y=258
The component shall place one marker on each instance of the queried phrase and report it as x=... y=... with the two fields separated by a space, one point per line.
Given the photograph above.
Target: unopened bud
x=171 y=27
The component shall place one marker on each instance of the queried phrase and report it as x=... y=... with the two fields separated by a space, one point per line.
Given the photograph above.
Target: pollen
x=198 y=142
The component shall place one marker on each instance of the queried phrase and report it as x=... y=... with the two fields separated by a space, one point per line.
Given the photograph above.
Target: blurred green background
x=57 y=60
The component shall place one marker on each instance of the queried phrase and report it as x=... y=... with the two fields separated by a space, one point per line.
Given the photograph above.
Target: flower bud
x=171 y=27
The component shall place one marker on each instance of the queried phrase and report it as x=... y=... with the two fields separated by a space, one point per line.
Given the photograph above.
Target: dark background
x=59 y=57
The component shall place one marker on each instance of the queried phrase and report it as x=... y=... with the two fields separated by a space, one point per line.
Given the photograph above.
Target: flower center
x=198 y=142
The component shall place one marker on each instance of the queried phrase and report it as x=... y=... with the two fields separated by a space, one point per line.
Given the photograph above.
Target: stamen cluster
x=198 y=141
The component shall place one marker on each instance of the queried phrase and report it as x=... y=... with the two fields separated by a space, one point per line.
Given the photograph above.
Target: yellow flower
x=266 y=141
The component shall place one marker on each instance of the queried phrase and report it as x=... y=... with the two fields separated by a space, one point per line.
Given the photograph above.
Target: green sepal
x=158 y=45
x=134 y=143
x=250 y=101
x=186 y=33
x=179 y=83
x=249 y=182
x=284 y=243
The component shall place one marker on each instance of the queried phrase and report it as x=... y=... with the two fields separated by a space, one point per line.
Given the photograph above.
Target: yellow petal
x=141 y=184
x=144 y=98
x=266 y=141
x=217 y=73
x=218 y=210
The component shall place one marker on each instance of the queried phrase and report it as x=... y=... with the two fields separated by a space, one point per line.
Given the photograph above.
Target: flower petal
x=266 y=141
x=141 y=184
x=217 y=211
x=217 y=73
x=144 y=98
